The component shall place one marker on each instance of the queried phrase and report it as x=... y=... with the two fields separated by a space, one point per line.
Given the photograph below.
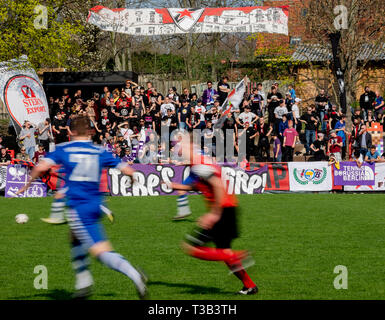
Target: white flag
x=234 y=99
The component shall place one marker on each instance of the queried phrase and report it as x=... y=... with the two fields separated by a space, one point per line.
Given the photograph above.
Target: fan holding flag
x=233 y=101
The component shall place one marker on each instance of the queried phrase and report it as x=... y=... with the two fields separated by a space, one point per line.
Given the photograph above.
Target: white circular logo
x=25 y=99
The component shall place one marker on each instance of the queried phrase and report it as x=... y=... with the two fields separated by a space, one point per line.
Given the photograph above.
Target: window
x=294 y=41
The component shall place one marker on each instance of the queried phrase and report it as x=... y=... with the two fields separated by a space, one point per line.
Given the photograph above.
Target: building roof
x=318 y=53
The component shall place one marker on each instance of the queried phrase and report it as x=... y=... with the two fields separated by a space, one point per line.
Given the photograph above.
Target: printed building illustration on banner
x=191 y=20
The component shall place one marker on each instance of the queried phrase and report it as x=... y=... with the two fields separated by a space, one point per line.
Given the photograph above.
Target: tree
x=36 y=30
x=354 y=25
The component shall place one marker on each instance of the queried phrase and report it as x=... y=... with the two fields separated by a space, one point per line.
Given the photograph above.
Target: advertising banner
x=17 y=177
x=349 y=174
x=147 y=22
x=379 y=181
x=3 y=177
x=310 y=176
x=277 y=177
x=22 y=93
x=148 y=180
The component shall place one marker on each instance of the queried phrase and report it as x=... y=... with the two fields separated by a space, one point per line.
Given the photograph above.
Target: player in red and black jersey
x=219 y=225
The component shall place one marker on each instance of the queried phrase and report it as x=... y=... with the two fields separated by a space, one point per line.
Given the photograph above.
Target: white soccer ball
x=21 y=218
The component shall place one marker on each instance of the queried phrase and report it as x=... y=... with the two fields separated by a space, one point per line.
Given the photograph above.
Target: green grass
x=296 y=241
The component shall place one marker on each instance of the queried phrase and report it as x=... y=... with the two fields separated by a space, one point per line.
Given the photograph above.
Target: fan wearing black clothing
x=319 y=147
x=256 y=101
x=264 y=131
x=105 y=119
x=334 y=116
x=193 y=119
x=273 y=100
x=367 y=100
x=223 y=90
x=5 y=158
x=149 y=120
x=186 y=95
x=59 y=128
x=311 y=123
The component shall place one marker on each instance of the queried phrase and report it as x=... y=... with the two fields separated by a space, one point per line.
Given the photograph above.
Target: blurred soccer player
x=83 y=163
x=183 y=208
x=219 y=225
x=57 y=215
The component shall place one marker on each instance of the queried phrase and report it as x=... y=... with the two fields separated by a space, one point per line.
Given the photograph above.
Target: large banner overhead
x=22 y=93
x=145 y=22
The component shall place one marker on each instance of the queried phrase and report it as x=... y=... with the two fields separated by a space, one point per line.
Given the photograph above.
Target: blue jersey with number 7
x=82 y=162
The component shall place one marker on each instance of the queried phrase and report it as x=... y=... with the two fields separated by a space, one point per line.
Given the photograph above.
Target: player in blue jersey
x=57 y=215
x=83 y=163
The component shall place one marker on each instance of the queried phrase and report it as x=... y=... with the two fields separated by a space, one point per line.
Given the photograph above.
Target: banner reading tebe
x=148 y=178
x=350 y=174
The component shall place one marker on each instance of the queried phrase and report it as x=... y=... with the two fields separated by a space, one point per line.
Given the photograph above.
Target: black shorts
x=222 y=233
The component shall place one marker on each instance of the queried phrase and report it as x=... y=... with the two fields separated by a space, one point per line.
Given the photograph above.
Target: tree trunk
x=214 y=72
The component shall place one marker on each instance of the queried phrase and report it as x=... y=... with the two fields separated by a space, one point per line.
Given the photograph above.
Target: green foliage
x=45 y=47
x=4 y=123
x=145 y=62
x=272 y=60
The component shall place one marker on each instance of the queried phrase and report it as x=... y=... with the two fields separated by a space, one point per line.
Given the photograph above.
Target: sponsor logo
x=23 y=90
x=17 y=173
x=307 y=176
x=185 y=19
x=28 y=92
x=31 y=103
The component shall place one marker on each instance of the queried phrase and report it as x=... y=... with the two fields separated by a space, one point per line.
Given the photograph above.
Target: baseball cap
x=298 y=100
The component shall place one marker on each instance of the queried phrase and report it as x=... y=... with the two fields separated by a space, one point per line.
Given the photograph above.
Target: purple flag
x=350 y=175
x=17 y=177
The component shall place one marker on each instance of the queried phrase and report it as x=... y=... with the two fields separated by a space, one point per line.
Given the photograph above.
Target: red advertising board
x=278 y=176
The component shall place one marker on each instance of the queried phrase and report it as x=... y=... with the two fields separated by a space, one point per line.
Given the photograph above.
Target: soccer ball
x=21 y=218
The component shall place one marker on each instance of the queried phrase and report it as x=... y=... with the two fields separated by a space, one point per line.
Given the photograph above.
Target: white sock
x=116 y=262
x=57 y=210
x=183 y=206
x=83 y=280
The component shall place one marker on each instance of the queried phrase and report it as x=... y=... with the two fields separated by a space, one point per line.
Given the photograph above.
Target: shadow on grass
x=190 y=288
x=185 y=220
x=57 y=294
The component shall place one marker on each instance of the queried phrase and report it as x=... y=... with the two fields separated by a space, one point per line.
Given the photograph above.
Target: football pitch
x=296 y=240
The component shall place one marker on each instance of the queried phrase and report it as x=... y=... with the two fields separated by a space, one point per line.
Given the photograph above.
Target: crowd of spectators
x=128 y=121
